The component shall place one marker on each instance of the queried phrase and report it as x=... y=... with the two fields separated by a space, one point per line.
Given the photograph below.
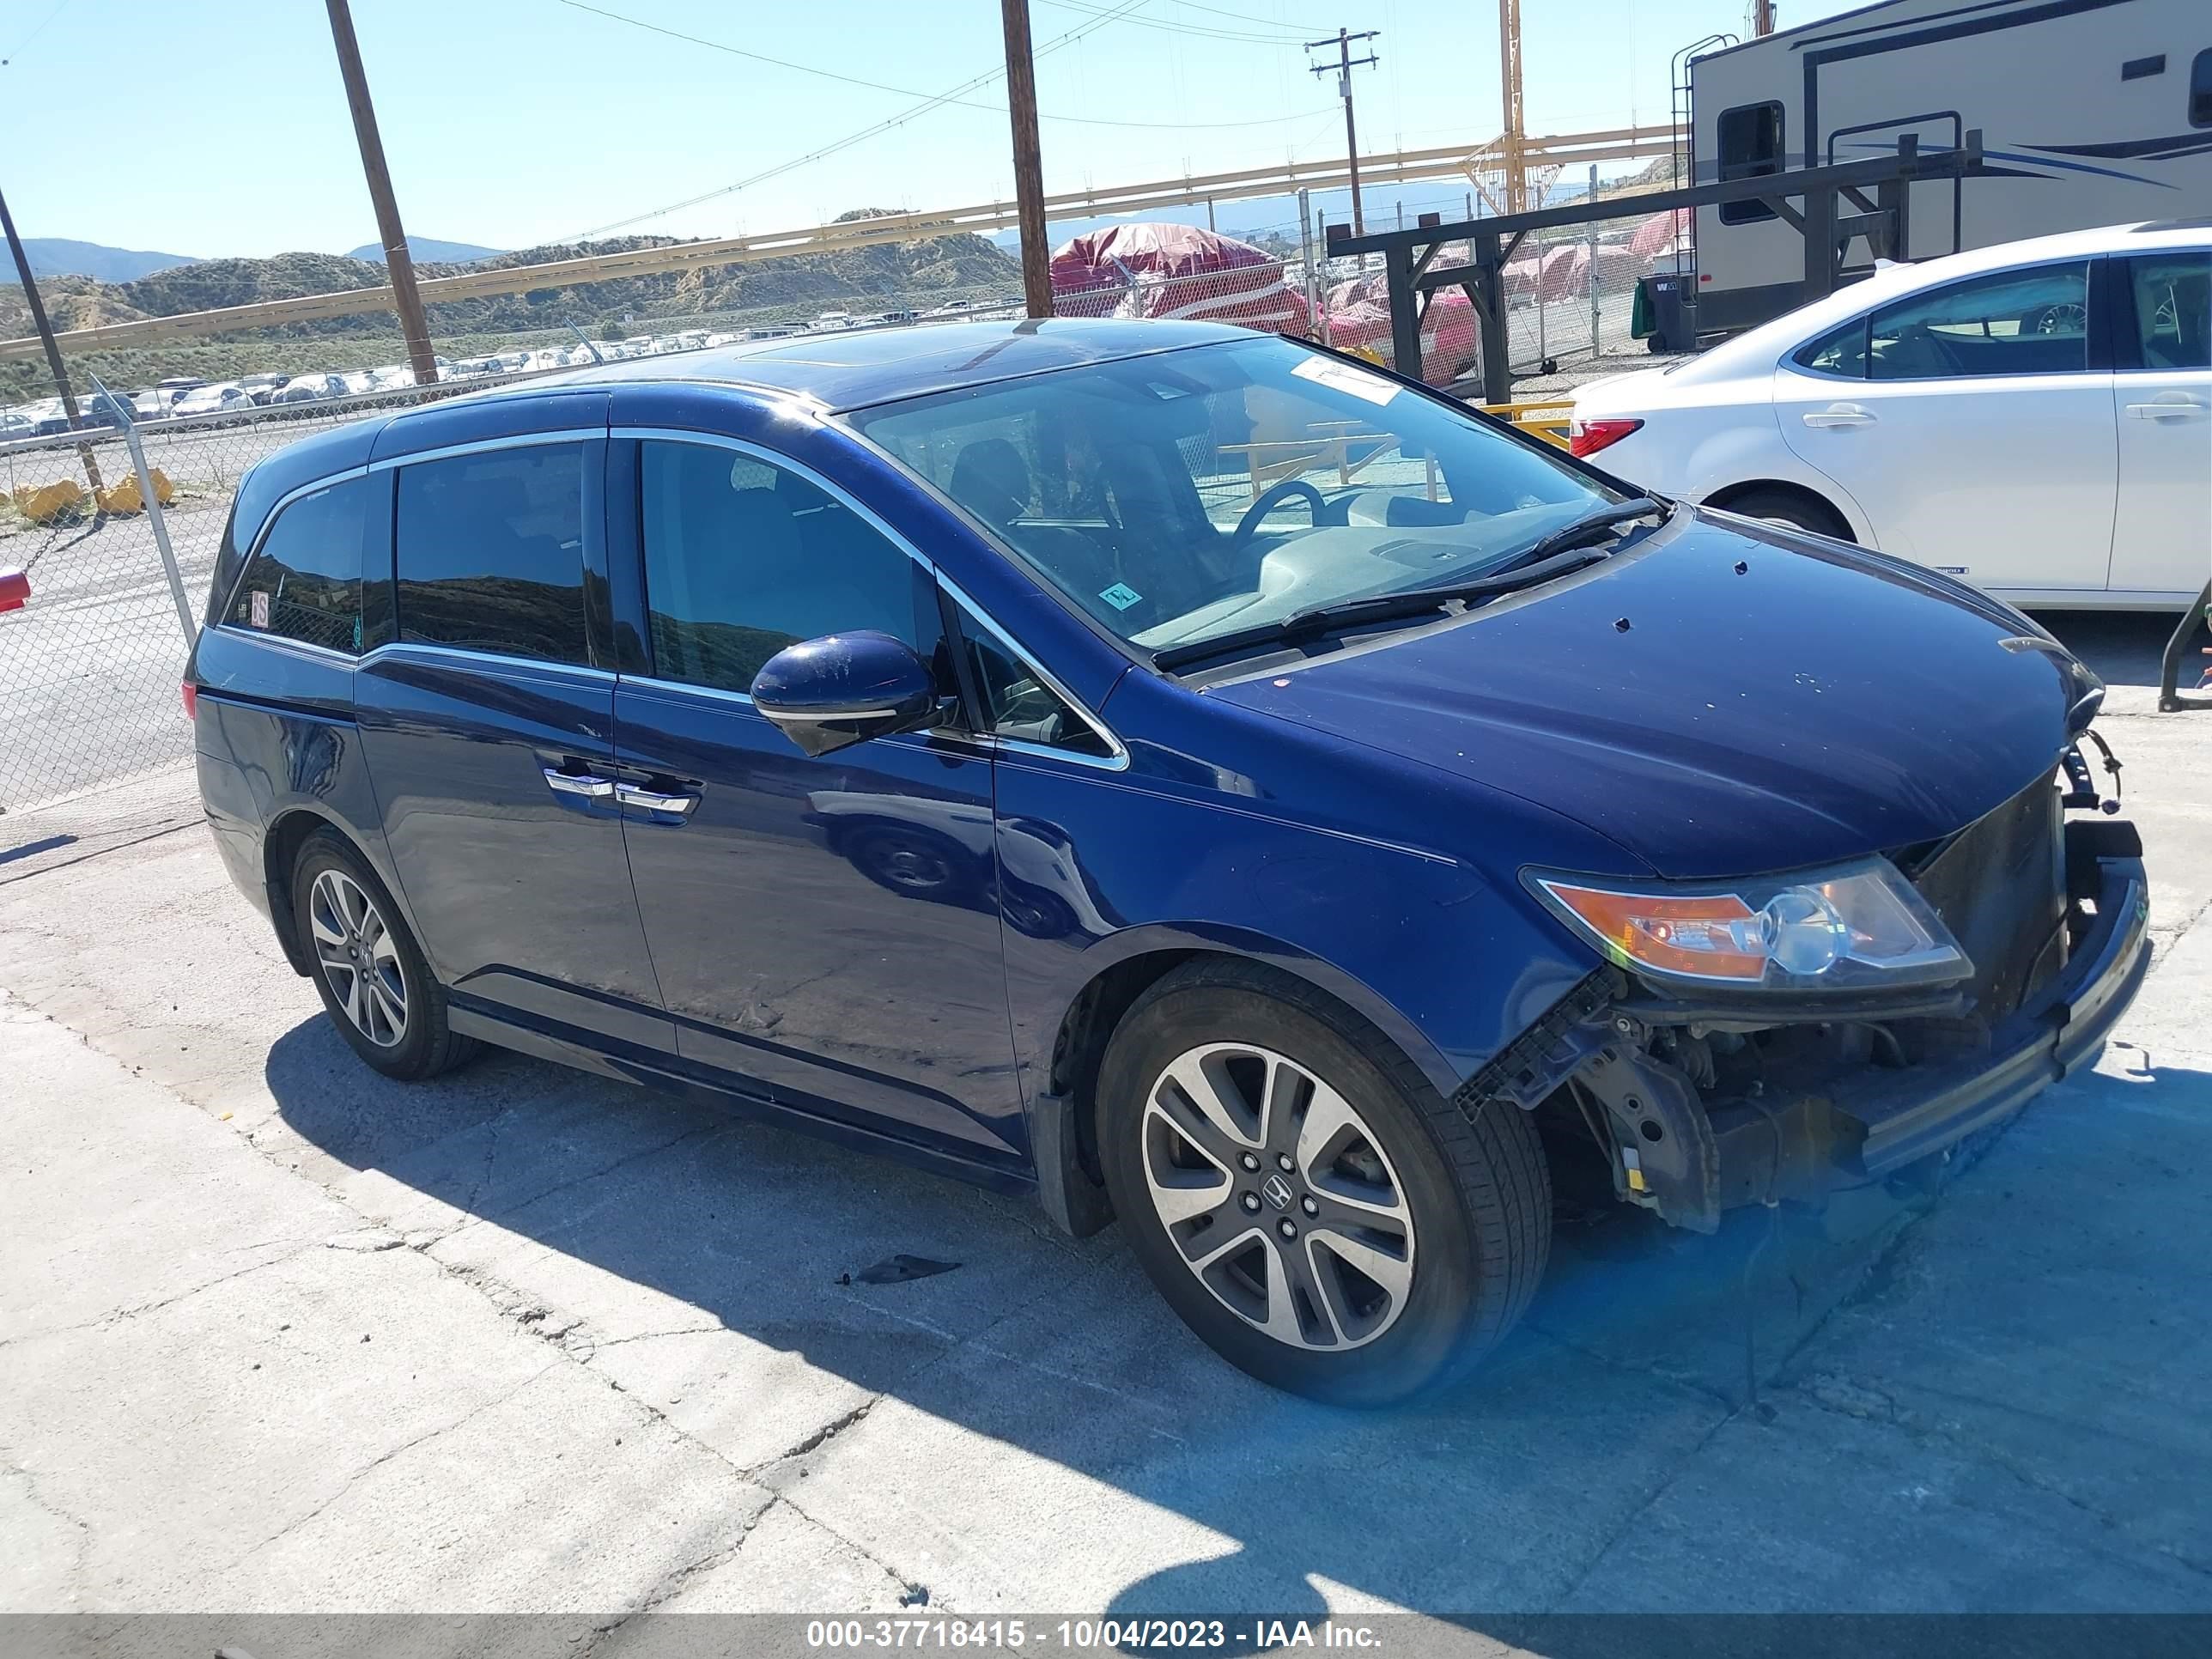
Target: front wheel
x=1302 y=1196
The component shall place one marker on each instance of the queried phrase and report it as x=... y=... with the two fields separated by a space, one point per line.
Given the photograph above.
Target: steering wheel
x=1269 y=502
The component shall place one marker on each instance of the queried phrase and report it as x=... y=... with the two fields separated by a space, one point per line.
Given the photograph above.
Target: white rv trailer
x=2091 y=113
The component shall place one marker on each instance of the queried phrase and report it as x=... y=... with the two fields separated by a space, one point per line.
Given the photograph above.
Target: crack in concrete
x=1847 y=1396
x=1690 y=1385
x=378 y=1462
x=72 y=1580
x=119 y=1315
x=473 y=1217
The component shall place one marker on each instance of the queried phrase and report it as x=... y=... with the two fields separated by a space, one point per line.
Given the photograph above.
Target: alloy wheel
x=355 y=952
x=1277 y=1196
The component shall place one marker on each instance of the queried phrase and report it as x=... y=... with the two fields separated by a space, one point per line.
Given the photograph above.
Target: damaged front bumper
x=1702 y=1107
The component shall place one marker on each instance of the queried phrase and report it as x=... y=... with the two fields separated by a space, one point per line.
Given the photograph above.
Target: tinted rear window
x=489 y=552
x=304 y=582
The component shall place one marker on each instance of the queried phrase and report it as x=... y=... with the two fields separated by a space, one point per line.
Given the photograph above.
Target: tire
x=1783 y=507
x=1452 y=1216
x=339 y=908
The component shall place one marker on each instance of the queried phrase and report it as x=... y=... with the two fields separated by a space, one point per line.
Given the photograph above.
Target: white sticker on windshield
x=1122 y=596
x=1343 y=377
x=260 y=608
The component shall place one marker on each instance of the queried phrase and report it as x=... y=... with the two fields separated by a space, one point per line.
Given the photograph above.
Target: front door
x=1967 y=423
x=489 y=732
x=826 y=928
x=2162 y=540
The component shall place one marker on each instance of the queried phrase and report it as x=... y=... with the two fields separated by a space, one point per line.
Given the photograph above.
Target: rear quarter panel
x=276 y=736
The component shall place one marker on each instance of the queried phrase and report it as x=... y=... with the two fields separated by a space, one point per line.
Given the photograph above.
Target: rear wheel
x=1302 y=1196
x=1791 y=511
x=371 y=975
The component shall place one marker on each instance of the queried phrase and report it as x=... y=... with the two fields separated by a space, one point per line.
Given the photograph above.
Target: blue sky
x=219 y=126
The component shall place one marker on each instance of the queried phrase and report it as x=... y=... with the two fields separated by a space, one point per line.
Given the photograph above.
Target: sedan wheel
x=1279 y=1196
x=354 y=946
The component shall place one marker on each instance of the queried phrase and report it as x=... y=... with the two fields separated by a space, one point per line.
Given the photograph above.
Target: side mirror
x=843 y=689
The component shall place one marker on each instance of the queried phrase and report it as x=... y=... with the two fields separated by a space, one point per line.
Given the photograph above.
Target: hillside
x=422 y=248
x=60 y=256
x=911 y=274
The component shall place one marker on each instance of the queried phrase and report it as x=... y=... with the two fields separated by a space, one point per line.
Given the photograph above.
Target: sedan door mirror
x=843 y=689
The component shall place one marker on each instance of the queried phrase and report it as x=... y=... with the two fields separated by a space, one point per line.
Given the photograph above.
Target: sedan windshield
x=1192 y=495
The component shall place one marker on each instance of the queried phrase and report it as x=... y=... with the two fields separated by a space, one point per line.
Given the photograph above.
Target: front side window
x=1016 y=701
x=1188 y=495
x=489 y=552
x=2010 y=322
x=2174 y=310
x=304 y=584
x=744 y=558
x=1750 y=138
x=2200 y=89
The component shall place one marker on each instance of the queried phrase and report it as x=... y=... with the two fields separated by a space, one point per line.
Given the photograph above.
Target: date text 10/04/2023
x=1246 y=1635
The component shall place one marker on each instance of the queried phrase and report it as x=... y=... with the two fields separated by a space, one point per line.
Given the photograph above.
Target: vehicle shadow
x=711 y=1265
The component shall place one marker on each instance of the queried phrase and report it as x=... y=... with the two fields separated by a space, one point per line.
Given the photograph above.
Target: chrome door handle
x=581 y=784
x=1839 y=414
x=2166 y=409
x=652 y=801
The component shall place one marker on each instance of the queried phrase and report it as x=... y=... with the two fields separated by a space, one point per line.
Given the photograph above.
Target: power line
x=1199 y=31
x=928 y=103
x=935 y=99
x=1242 y=16
x=16 y=52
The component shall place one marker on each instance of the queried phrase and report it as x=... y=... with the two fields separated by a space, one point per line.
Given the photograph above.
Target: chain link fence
x=90 y=666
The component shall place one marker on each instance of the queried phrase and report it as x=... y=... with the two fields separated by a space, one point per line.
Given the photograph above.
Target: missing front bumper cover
x=1700 y=1109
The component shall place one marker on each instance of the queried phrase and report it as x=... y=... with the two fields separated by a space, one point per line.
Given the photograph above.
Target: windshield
x=1194 y=494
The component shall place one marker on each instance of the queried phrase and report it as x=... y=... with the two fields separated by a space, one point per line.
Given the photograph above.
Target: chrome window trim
x=773 y=458
x=1117 y=756
x=681 y=688
x=463 y=653
x=285 y=642
x=588 y=434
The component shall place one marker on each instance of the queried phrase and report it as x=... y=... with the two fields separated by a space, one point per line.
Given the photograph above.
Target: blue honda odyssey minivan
x=1196 y=777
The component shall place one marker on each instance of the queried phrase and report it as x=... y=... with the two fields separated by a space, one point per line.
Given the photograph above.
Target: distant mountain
x=424 y=249
x=58 y=256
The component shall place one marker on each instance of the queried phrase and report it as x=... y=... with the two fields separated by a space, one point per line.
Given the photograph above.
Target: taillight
x=192 y=700
x=1588 y=437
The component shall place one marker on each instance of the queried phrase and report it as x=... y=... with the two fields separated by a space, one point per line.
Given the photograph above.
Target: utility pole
x=1028 y=157
x=46 y=338
x=1762 y=17
x=1342 y=68
x=1512 y=143
x=398 y=264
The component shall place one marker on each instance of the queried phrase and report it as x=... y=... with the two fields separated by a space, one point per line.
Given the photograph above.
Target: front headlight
x=1857 y=927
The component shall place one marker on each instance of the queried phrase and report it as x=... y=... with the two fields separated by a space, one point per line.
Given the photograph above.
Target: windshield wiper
x=1592 y=527
x=1303 y=625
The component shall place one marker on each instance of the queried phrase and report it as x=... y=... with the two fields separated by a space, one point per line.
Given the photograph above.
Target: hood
x=1818 y=703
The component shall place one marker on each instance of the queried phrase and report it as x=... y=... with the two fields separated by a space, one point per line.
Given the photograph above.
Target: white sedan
x=2035 y=418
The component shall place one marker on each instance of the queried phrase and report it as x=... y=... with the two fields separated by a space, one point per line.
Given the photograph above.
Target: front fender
x=1449 y=966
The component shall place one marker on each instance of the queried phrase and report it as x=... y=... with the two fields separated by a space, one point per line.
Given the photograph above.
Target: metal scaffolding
x=1829 y=206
